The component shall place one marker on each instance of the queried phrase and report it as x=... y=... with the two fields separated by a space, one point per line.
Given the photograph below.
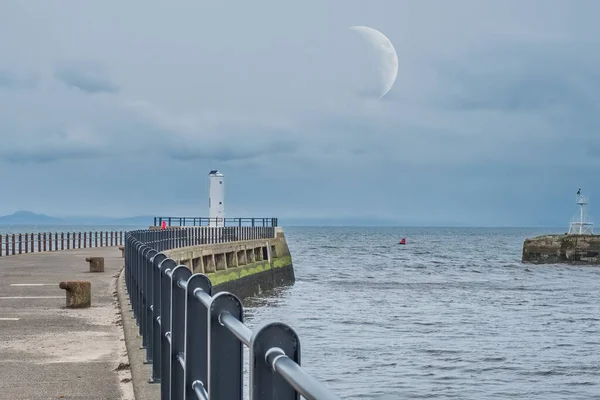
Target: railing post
x=143 y=249
x=132 y=263
x=156 y=263
x=165 y=327
x=139 y=295
x=147 y=312
x=196 y=334
x=226 y=352
x=178 y=319
x=128 y=266
x=265 y=383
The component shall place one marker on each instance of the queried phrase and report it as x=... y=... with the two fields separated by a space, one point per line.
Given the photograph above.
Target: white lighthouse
x=216 y=198
x=581 y=225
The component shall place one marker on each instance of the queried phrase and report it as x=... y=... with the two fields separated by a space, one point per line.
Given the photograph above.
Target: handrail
x=195 y=339
x=21 y=243
x=167 y=239
x=215 y=222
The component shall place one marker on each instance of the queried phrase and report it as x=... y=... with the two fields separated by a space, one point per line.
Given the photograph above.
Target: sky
x=122 y=108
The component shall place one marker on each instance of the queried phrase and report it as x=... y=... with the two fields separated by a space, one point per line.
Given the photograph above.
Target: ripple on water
x=452 y=315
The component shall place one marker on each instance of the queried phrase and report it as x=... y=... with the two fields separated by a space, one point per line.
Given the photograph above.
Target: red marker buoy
x=163 y=225
x=403 y=241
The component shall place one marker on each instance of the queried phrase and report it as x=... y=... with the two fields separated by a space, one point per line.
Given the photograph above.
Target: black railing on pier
x=206 y=221
x=193 y=236
x=20 y=243
x=195 y=340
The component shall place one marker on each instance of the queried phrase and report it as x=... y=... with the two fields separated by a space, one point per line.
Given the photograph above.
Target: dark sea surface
x=451 y=315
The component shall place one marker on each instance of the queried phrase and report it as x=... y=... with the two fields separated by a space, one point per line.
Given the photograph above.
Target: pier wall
x=562 y=249
x=244 y=268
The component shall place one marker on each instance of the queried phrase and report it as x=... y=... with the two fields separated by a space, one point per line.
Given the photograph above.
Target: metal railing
x=206 y=221
x=193 y=236
x=20 y=243
x=195 y=340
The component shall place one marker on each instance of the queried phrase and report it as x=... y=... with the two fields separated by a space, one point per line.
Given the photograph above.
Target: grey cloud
x=10 y=80
x=38 y=155
x=523 y=93
x=521 y=78
x=48 y=143
x=85 y=75
x=490 y=111
x=210 y=134
x=229 y=152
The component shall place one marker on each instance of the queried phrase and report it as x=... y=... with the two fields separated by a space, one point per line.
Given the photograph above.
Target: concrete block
x=79 y=293
x=96 y=264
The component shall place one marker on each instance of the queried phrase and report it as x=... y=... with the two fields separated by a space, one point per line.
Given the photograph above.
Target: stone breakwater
x=562 y=249
x=244 y=268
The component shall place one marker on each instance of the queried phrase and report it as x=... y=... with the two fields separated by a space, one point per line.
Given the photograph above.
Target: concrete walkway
x=50 y=352
x=140 y=371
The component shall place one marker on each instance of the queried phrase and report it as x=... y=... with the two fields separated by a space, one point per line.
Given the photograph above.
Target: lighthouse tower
x=580 y=225
x=216 y=198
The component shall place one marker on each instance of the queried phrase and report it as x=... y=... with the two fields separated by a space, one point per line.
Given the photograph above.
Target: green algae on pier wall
x=245 y=267
x=562 y=249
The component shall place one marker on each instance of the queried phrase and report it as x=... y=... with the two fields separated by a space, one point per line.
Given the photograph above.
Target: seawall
x=562 y=249
x=244 y=268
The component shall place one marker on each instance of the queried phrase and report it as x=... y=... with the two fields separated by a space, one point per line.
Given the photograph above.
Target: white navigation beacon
x=581 y=226
x=216 y=198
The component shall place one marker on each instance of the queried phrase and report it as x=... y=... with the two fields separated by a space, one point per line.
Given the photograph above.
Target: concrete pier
x=244 y=268
x=562 y=249
x=50 y=352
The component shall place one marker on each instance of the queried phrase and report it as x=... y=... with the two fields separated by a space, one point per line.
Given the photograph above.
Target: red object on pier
x=403 y=241
x=163 y=226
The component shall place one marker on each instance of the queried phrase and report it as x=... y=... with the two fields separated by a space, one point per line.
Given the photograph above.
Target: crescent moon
x=388 y=57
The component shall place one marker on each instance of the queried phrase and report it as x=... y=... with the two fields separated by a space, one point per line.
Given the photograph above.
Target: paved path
x=140 y=372
x=50 y=352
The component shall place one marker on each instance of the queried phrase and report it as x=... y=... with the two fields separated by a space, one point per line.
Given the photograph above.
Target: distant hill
x=31 y=218
x=28 y=218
